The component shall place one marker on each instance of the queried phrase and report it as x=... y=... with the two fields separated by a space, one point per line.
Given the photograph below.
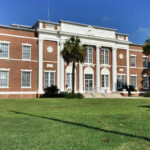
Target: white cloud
x=144 y=30
x=105 y=19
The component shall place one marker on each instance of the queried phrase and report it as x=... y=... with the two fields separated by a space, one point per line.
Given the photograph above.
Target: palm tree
x=146 y=46
x=73 y=52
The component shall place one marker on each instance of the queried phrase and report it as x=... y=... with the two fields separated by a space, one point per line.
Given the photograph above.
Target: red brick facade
x=15 y=63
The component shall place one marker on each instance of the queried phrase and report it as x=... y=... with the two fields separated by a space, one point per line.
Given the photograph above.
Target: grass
x=62 y=124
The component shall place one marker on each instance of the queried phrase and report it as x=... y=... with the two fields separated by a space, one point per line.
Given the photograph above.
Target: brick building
x=30 y=60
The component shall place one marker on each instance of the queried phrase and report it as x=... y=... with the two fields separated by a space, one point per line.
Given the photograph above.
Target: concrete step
x=102 y=95
x=113 y=95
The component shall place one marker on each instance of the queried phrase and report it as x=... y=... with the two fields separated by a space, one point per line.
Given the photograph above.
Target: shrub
x=131 y=87
x=75 y=95
x=147 y=94
x=51 y=91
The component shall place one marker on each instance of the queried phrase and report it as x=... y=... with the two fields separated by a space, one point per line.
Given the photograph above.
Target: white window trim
x=148 y=82
x=5 y=87
x=104 y=80
x=135 y=75
x=24 y=44
x=24 y=87
x=92 y=81
x=6 y=42
x=48 y=71
x=104 y=56
x=88 y=55
x=124 y=79
x=135 y=61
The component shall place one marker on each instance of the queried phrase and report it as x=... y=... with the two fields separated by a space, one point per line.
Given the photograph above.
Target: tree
x=73 y=52
x=146 y=46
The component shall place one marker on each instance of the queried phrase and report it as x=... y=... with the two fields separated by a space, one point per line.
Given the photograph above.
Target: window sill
x=4 y=87
x=26 y=87
x=26 y=59
x=4 y=58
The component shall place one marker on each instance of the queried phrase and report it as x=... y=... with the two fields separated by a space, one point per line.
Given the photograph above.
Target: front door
x=88 y=82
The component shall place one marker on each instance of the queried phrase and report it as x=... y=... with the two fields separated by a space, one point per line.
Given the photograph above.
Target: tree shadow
x=84 y=126
x=145 y=106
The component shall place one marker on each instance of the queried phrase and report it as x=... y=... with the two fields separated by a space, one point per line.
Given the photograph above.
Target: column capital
x=98 y=46
x=114 y=48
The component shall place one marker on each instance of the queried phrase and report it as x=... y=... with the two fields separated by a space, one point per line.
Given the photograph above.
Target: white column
x=97 y=70
x=114 y=70
x=58 y=65
x=40 y=67
x=127 y=61
x=62 y=70
x=80 y=78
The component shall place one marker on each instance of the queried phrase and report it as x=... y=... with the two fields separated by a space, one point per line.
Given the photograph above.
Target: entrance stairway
x=102 y=95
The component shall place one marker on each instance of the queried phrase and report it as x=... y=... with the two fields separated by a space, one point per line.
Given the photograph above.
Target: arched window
x=88 y=79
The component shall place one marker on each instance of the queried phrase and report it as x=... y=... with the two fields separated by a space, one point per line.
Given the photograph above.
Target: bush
x=75 y=95
x=51 y=91
x=147 y=94
x=131 y=88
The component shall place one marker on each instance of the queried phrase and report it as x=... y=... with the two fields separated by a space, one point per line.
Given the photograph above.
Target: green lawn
x=62 y=124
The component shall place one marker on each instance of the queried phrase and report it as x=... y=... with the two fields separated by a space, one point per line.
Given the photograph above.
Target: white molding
x=5 y=42
x=50 y=71
x=26 y=44
x=133 y=75
x=18 y=92
x=4 y=69
x=50 y=61
x=18 y=59
x=132 y=55
x=18 y=36
x=136 y=50
x=121 y=74
x=122 y=66
x=26 y=70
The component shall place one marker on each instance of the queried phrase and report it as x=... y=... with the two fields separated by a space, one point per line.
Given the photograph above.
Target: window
x=26 y=79
x=104 y=56
x=89 y=56
x=145 y=62
x=26 y=52
x=145 y=82
x=4 y=47
x=49 y=79
x=133 y=61
x=105 y=81
x=134 y=81
x=88 y=82
x=68 y=80
x=4 y=79
x=121 y=81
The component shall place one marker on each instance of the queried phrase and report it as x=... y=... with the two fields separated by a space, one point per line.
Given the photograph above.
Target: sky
x=127 y=16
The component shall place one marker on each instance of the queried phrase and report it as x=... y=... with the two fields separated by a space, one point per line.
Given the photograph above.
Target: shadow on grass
x=145 y=106
x=83 y=125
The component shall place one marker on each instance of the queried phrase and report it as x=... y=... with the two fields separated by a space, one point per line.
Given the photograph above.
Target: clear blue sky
x=128 y=16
